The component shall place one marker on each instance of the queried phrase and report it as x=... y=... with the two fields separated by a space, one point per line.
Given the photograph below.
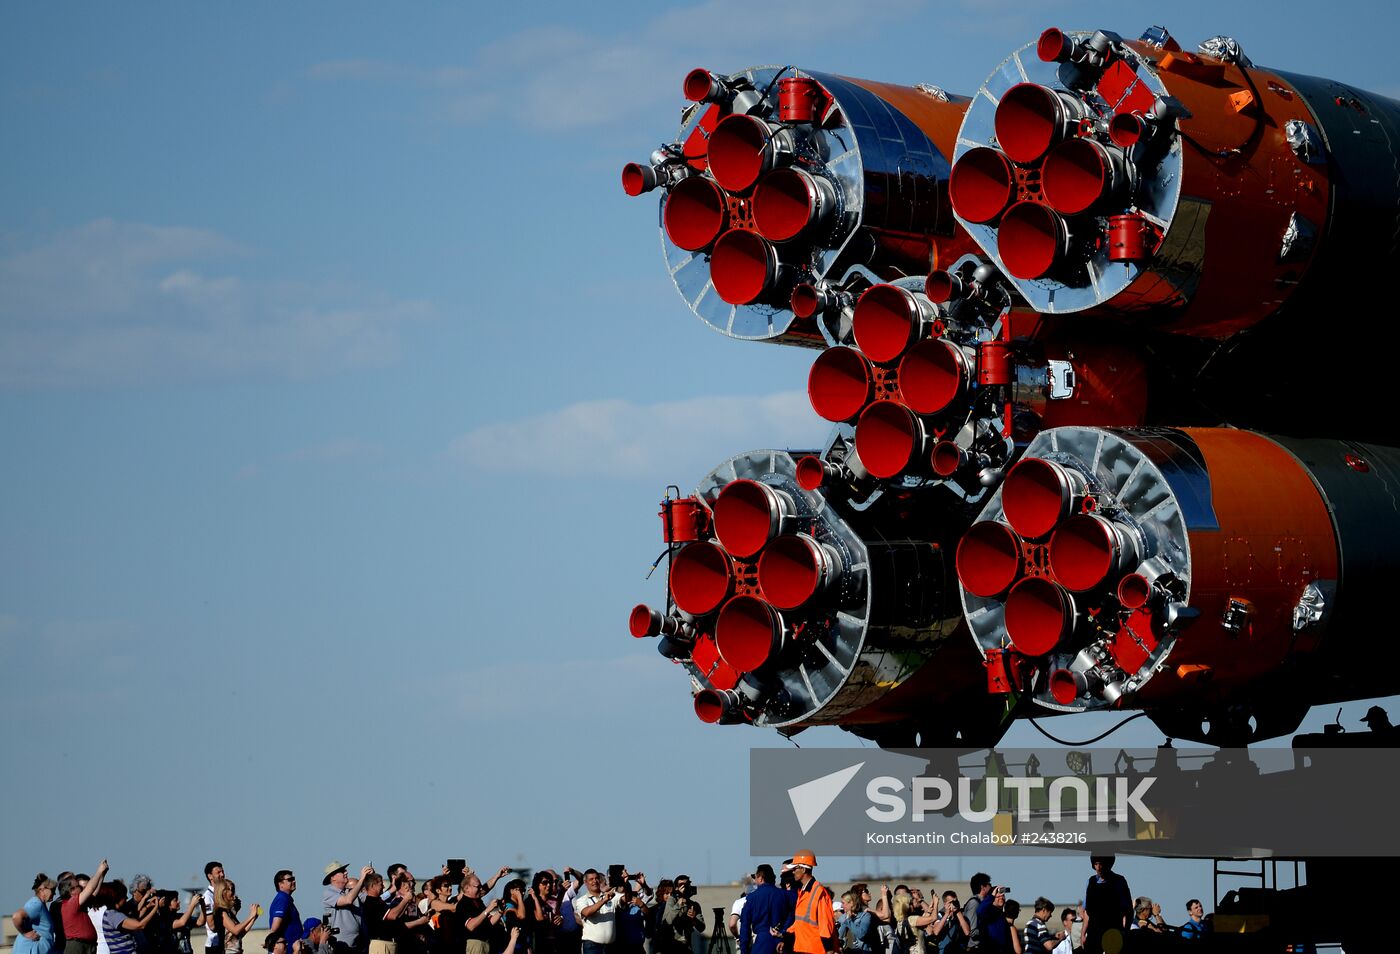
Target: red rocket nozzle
x=1087 y=550
x=1125 y=129
x=1066 y=685
x=748 y=514
x=1039 y=615
x=942 y=286
x=788 y=200
x=1080 y=173
x=721 y=706
x=1032 y=239
x=1053 y=46
x=709 y=706
x=932 y=374
x=988 y=559
x=811 y=472
x=749 y=632
x=700 y=86
x=981 y=185
x=1037 y=494
x=1031 y=118
x=1134 y=591
x=743 y=266
x=637 y=178
x=840 y=384
x=886 y=319
x=806 y=300
x=947 y=457
x=701 y=578
x=741 y=149
x=695 y=214
x=889 y=438
x=794 y=568
x=645 y=622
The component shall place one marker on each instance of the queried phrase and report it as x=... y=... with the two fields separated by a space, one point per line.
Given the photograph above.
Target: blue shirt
x=768 y=906
x=858 y=928
x=991 y=922
x=285 y=908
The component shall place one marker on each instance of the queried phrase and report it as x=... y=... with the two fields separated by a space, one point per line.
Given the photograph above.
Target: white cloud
x=622 y=439
x=117 y=302
x=555 y=77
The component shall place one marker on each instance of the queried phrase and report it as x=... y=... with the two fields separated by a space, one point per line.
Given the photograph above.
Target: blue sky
x=338 y=384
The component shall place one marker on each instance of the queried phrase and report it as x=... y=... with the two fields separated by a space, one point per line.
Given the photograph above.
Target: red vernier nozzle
x=701 y=578
x=1031 y=118
x=889 y=439
x=981 y=185
x=1039 y=615
x=1088 y=550
x=645 y=621
x=749 y=632
x=696 y=213
x=795 y=569
x=942 y=286
x=789 y=201
x=989 y=559
x=748 y=514
x=702 y=86
x=1037 y=494
x=933 y=374
x=743 y=266
x=720 y=707
x=1053 y=46
x=840 y=384
x=887 y=319
x=1067 y=685
x=1032 y=239
x=1134 y=591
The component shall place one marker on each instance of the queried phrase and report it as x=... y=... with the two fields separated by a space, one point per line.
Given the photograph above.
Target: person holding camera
x=992 y=927
x=343 y=906
x=596 y=911
x=478 y=919
x=680 y=918
x=226 y=910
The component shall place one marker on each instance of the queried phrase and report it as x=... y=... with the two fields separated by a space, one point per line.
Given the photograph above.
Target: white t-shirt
x=601 y=927
x=211 y=935
x=95 y=916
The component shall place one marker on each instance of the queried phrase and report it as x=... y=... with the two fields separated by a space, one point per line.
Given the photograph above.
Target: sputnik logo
x=810 y=800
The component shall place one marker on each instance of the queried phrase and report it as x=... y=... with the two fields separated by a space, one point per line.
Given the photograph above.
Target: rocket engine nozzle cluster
x=1027 y=503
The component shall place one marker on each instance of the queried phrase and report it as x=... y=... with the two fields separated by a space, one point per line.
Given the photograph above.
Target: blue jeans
x=593 y=947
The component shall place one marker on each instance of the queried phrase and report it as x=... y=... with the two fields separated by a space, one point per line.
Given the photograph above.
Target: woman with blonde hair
x=226 y=907
x=905 y=936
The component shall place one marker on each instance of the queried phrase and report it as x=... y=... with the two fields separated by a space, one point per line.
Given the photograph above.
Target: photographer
x=381 y=917
x=226 y=910
x=343 y=906
x=995 y=936
x=477 y=918
x=949 y=926
x=680 y=918
x=545 y=922
x=596 y=910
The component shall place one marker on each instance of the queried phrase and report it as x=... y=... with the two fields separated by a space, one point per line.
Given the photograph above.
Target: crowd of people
x=614 y=911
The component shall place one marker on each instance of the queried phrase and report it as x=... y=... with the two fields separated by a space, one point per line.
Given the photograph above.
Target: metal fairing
x=1097 y=279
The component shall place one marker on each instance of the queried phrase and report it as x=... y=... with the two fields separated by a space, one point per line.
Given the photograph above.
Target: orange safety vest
x=813 y=923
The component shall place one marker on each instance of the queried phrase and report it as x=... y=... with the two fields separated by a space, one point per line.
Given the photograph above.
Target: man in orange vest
x=813 y=923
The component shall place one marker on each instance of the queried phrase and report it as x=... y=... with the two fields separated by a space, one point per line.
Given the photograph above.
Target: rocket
x=1099 y=436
